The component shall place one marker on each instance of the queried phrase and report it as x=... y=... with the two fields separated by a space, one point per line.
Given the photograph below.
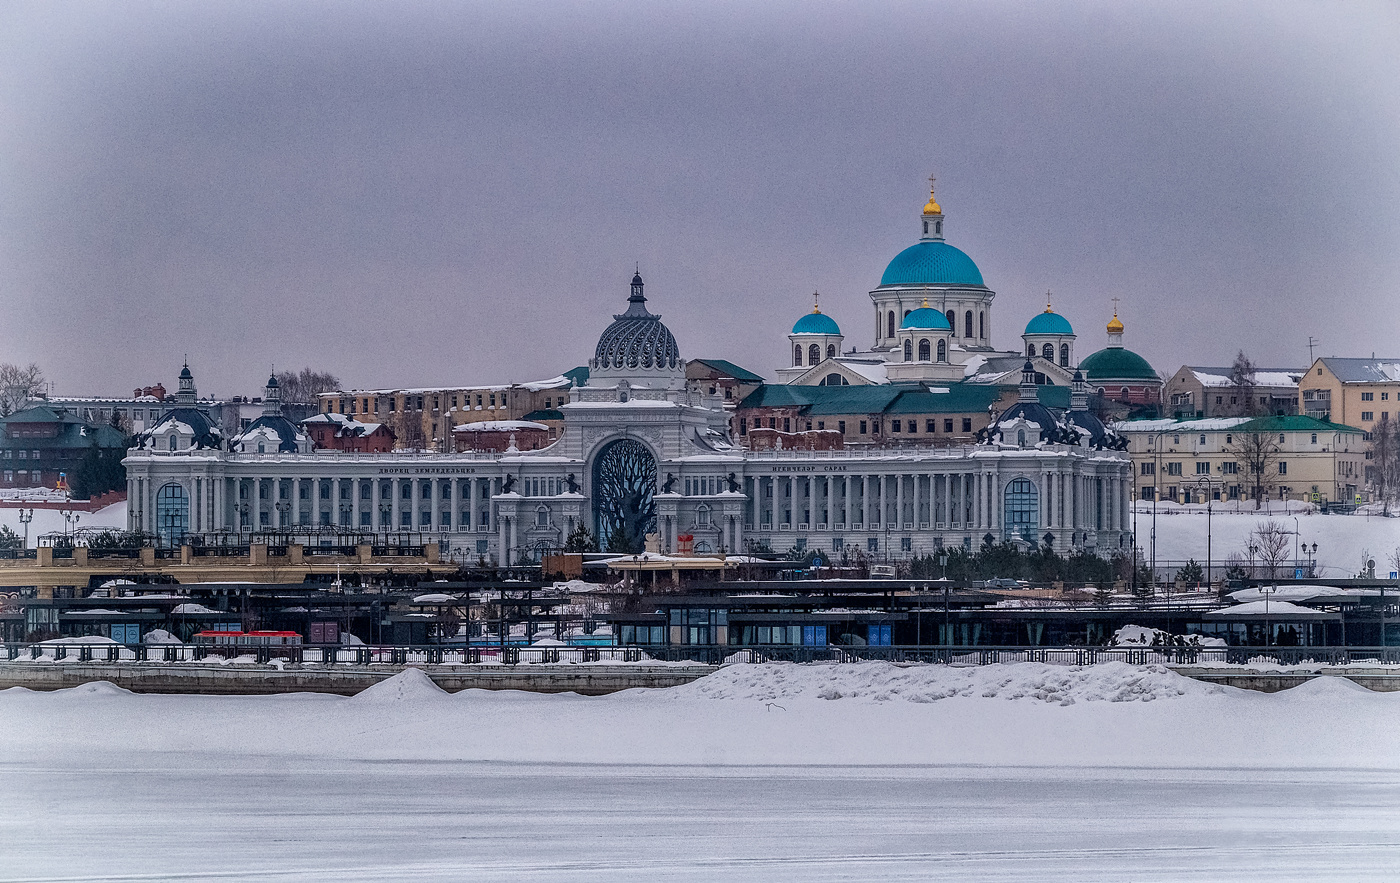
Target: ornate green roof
x=1116 y=363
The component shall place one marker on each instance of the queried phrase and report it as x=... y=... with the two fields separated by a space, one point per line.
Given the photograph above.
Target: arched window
x=891 y=324
x=834 y=379
x=1123 y=393
x=797 y=354
x=925 y=228
x=938 y=228
x=831 y=350
x=906 y=314
x=814 y=354
x=1022 y=510
x=982 y=325
x=172 y=441
x=1047 y=353
x=952 y=318
x=1064 y=355
x=542 y=517
x=942 y=350
x=702 y=516
x=967 y=324
x=908 y=351
x=924 y=350
x=1021 y=437
x=172 y=513
x=1030 y=351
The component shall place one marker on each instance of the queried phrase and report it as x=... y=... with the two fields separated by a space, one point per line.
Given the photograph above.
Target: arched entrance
x=624 y=480
x=172 y=514
x=1022 y=510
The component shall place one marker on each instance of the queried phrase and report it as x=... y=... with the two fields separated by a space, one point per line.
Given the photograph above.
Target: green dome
x=1116 y=363
x=1049 y=323
x=932 y=262
x=816 y=323
x=926 y=318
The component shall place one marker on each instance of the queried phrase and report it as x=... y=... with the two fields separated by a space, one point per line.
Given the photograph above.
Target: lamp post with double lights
x=1311 y=552
x=1208 y=486
x=947 y=629
x=24 y=518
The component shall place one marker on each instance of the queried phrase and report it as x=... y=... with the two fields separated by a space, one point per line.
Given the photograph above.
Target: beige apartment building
x=1195 y=391
x=423 y=418
x=1190 y=461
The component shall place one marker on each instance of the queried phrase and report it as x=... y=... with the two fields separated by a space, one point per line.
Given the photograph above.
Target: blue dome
x=1049 y=323
x=932 y=262
x=816 y=323
x=926 y=318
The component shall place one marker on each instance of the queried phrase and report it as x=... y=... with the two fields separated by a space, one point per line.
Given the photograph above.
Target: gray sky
x=453 y=193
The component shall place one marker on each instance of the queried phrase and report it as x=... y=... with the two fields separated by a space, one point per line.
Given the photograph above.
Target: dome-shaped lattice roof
x=636 y=338
x=931 y=262
x=926 y=318
x=816 y=323
x=1049 y=322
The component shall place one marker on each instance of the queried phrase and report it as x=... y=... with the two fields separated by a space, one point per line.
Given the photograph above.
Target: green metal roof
x=1294 y=423
x=544 y=414
x=960 y=398
x=731 y=369
x=1116 y=363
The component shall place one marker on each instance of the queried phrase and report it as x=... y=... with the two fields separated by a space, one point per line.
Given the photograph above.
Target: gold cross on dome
x=816 y=302
x=1115 y=306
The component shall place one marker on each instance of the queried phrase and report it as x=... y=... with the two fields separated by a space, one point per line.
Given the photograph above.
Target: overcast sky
x=415 y=194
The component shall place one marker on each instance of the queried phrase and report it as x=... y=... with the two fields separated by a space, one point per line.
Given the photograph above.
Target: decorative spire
x=932 y=207
x=816 y=302
x=1047 y=303
x=925 y=306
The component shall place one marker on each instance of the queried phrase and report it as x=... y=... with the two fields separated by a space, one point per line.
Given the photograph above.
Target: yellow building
x=1358 y=392
x=1188 y=461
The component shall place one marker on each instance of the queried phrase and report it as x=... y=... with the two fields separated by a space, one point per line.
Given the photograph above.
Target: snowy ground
x=1343 y=541
x=772 y=772
x=51 y=520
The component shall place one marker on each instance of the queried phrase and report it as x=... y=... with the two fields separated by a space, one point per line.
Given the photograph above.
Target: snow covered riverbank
x=758 y=772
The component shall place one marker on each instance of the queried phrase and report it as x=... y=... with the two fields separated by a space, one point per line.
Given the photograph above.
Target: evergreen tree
x=581 y=540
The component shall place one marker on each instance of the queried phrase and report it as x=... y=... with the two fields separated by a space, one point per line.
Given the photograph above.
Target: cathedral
x=646 y=460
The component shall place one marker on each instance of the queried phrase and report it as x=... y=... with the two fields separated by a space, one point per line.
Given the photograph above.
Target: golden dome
x=1114 y=326
x=932 y=207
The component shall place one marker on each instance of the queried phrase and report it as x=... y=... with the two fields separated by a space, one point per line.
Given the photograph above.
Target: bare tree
x=1257 y=453
x=1270 y=541
x=1242 y=386
x=18 y=385
x=407 y=427
x=302 y=387
x=1384 y=454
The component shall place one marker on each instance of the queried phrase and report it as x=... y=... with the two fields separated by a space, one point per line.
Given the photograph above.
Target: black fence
x=711 y=654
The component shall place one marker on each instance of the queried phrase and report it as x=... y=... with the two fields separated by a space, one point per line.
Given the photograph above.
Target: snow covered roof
x=1220 y=377
x=498 y=426
x=346 y=426
x=871 y=370
x=1364 y=370
x=1270 y=609
x=1205 y=424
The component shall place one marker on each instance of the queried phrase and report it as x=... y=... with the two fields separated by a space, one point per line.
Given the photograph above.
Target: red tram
x=238 y=643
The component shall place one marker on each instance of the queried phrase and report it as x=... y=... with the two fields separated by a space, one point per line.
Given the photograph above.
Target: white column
x=916 y=478
x=865 y=502
x=846 y=501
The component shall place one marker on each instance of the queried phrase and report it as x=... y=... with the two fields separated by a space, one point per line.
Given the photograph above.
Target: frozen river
x=766 y=772
x=420 y=820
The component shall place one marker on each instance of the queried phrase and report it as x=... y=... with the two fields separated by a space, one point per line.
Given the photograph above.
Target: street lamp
x=1268 y=592
x=24 y=519
x=1209 y=494
x=947 y=629
x=1311 y=552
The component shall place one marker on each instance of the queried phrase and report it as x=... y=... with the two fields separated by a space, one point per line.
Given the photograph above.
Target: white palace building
x=642 y=455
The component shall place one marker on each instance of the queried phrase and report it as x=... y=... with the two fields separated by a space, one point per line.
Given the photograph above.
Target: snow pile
x=159 y=636
x=409 y=685
x=435 y=598
x=191 y=609
x=884 y=682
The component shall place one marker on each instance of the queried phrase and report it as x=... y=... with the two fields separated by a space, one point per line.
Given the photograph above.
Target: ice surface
x=754 y=775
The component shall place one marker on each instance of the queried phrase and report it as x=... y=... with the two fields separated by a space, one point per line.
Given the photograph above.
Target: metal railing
x=710 y=654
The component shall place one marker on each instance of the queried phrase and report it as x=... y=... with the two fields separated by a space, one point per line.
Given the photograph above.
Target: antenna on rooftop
x=1312 y=344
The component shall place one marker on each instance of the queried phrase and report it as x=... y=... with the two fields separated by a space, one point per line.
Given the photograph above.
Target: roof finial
x=816 y=302
x=1047 y=303
x=932 y=207
x=1114 y=325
